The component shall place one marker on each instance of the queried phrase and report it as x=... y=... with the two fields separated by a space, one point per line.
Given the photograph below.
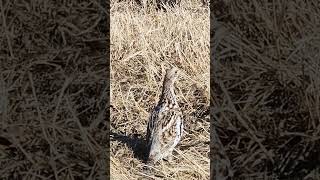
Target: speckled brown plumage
x=165 y=125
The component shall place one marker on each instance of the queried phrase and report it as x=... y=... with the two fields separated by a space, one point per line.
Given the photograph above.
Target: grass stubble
x=266 y=87
x=53 y=90
x=144 y=43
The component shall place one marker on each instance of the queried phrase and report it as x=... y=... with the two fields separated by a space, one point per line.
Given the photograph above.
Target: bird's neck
x=168 y=94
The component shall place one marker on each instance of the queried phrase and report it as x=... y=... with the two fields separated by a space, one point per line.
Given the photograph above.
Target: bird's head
x=171 y=76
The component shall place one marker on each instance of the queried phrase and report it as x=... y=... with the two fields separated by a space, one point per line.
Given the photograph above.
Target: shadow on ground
x=135 y=142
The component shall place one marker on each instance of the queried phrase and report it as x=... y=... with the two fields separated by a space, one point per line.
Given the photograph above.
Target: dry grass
x=53 y=90
x=266 y=78
x=145 y=42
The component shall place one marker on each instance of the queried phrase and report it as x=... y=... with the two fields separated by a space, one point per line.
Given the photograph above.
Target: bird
x=170 y=3
x=165 y=126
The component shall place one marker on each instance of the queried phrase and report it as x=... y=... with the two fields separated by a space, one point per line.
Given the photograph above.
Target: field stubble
x=266 y=87
x=145 y=42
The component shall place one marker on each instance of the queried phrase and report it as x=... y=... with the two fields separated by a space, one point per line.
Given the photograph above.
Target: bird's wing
x=152 y=121
x=171 y=126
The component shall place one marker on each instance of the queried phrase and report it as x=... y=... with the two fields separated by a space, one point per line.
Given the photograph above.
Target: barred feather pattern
x=165 y=125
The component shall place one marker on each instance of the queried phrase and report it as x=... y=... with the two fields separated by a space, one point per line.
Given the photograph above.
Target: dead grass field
x=145 y=42
x=266 y=87
x=53 y=90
